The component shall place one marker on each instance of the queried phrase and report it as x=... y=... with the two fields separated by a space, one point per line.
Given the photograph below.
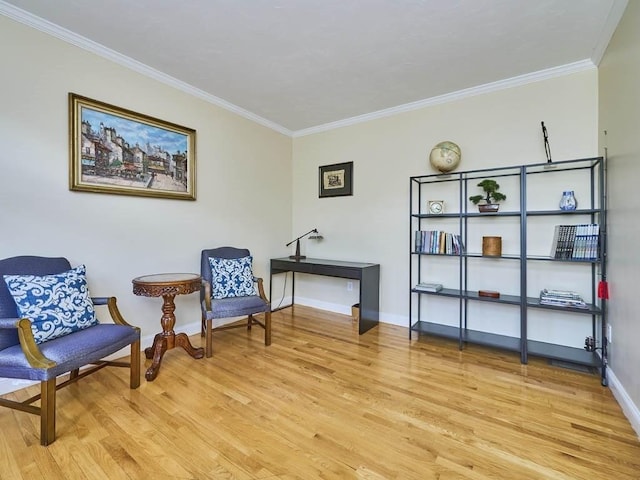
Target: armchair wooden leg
x=209 y=340
x=47 y=412
x=134 y=372
x=203 y=326
x=249 y=322
x=74 y=374
x=267 y=328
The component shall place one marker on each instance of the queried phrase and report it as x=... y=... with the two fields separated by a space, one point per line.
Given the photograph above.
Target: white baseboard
x=629 y=409
x=400 y=320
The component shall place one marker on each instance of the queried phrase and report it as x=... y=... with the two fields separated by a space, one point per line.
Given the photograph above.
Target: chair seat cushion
x=56 y=304
x=69 y=352
x=232 y=277
x=236 y=307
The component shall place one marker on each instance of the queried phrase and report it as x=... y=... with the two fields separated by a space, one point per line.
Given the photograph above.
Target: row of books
x=428 y=287
x=561 y=298
x=578 y=242
x=437 y=241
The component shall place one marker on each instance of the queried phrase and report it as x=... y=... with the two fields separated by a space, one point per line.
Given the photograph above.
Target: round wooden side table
x=167 y=286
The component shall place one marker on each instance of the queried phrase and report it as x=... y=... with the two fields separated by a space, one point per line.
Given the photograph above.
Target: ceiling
x=300 y=66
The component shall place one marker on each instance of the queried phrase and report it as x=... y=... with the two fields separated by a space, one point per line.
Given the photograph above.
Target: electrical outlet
x=609 y=332
x=349 y=286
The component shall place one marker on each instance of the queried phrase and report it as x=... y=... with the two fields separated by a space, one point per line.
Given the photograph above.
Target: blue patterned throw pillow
x=56 y=304
x=231 y=277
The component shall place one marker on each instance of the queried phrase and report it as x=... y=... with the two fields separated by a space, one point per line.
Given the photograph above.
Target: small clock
x=435 y=207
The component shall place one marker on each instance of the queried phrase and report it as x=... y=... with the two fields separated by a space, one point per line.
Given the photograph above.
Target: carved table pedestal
x=167 y=286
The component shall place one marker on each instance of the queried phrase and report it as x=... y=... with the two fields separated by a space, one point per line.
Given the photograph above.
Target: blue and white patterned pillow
x=231 y=277
x=56 y=304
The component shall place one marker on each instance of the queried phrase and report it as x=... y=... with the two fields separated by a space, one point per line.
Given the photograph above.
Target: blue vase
x=568 y=201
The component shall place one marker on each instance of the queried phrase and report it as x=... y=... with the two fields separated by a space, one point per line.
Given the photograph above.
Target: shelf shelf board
x=581 y=211
x=470 y=336
x=439 y=215
x=560 y=352
x=506 y=256
x=445 y=292
x=551 y=351
x=491 y=340
x=491 y=214
x=455 y=293
x=590 y=310
x=568 y=260
x=445 y=331
x=437 y=254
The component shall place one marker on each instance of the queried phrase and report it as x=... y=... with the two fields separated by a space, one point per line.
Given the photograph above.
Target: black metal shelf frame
x=596 y=211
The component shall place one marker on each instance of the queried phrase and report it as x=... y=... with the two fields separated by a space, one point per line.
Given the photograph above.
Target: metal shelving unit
x=425 y=322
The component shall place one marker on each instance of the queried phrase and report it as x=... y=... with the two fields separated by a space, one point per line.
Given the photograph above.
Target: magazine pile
x=428 y=287
x=561 y=298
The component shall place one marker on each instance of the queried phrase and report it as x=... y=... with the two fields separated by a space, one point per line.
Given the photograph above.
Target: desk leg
x=168 y=339
x=369 y=298
x=293 y=290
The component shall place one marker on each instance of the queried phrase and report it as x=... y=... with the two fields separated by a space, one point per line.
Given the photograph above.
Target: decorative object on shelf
x=547 y=148
x=445 y=156
x=114 y=150
x=562 y=298
x=428 y=287
x=315 y=236
x=576 y=242
x=568 y=201
x=435 y=207
x=491 y=196
x=336 y=180
x=492 y=246
x=488 y=293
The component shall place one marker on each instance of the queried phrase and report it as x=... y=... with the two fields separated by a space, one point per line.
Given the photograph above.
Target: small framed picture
x=336 y=180
x=435 y=207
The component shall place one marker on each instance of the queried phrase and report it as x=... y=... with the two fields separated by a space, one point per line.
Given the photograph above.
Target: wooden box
x=492 y=246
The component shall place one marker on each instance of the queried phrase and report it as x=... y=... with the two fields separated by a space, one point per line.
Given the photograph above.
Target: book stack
x=436 y=241
x=428 y=287
x=561 y=298
x=576 y=242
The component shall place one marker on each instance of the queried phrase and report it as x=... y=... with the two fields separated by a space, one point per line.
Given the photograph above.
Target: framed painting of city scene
x=114 y=150
x=336 y=180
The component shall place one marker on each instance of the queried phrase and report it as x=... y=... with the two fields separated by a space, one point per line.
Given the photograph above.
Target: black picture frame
x=335 y=180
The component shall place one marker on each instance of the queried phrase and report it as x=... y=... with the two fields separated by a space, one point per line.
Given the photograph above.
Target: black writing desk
x=367 y=273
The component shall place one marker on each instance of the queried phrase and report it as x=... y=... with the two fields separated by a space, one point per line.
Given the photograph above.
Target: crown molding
x=533 y=77
x=613 y=19
x=61 y=33
x=68 y=36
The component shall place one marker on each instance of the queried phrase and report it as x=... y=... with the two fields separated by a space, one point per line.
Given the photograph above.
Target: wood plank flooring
x=323 y=402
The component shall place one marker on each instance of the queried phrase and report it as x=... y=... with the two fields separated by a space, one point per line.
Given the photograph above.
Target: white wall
x=620 y=116
x=494 y=129
x=243 y=178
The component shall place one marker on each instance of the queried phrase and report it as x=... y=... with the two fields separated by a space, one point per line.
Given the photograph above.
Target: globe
x=445 y=156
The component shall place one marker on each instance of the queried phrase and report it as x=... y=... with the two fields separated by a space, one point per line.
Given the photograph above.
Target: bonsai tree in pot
x=490 y=198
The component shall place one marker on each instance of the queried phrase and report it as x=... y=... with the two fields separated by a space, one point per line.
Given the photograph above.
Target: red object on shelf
x=488 y=293
x=603 y=290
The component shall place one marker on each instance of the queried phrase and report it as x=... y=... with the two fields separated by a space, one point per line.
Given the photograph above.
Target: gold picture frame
x=118 y=151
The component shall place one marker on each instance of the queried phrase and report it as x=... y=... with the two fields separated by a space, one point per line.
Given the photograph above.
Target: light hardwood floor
x=324 y=403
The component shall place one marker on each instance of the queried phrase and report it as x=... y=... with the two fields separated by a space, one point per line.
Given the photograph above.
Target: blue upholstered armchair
x=229 y=290
x=41 y=349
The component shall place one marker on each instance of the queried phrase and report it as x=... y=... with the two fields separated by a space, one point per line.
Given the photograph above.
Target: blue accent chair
x=21 y=357
x=232 y=306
